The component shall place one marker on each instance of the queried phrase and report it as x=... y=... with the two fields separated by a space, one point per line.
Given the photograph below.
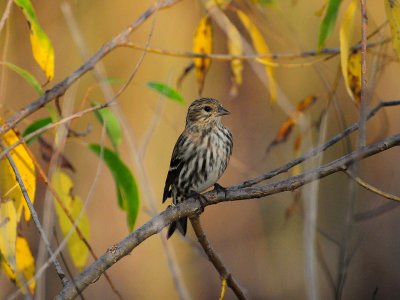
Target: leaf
x=260 y=47
x=76 y=247
x=235 y=47
x=354 y=75
x=328 y=23
x=127 y=189
x=8 y=231
x=287 y=126
x=42 y=47
x=111 y=122
x=166 y=90
x=25 y=266
x=202 y=43
x=9 y=187
x=40 y=123
x=346 y=33
x=28 y=77
x=393 y=14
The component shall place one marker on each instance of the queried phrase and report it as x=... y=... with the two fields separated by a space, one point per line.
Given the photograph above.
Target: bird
x=200 y=156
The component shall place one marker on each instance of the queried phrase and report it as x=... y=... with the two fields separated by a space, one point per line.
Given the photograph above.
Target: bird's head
x=205 y=112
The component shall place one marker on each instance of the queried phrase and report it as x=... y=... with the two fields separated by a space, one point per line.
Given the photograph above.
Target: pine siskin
x=200 y=156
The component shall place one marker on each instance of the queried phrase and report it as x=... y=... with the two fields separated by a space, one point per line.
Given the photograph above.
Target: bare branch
x=371 y=188
x=191 y=207
x=216 y=260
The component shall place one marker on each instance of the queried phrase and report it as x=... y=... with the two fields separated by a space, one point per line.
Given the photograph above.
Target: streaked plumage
x=200 y=156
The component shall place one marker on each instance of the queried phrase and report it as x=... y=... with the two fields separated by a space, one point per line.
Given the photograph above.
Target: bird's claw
x=201 y=199
x=219 y=188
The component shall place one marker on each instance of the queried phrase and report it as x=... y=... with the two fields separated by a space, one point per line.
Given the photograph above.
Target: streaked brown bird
x=200 y=156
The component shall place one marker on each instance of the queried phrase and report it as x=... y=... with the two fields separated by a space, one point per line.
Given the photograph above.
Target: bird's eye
x=207 y=108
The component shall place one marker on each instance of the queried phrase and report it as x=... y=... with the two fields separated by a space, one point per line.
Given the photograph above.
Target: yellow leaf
x=235 y=47
x=202 y=43
x=346 y=33
x=260 y=47
x=42 y=47
x=354 y=75
x=393 y=14
x=8 y=231
x=9 y=187
x=76 y=247
x=25 y=266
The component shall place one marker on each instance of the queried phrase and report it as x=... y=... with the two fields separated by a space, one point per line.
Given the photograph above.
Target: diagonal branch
x=215 y=259
x=192 y=207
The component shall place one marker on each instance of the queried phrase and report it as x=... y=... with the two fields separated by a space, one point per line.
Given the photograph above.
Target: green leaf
x=329 y=21
x=28 y=77
x=35 y=126
x=42 y=47
x=111 y=122
x=166 y=90
x=127 y=189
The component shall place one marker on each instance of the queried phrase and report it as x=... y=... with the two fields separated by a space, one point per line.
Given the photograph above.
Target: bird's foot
x=200 y=198
x=219 y=188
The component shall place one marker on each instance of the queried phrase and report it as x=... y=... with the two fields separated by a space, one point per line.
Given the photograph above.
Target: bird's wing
x=175 y=167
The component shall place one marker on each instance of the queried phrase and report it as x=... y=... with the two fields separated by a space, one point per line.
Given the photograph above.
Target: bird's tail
x=181 y=224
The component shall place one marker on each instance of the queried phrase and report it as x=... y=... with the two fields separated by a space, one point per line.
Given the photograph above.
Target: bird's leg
x=199 y=197
x=218 y=188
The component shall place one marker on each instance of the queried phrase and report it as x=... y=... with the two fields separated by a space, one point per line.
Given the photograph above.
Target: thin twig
x=373 y=213
x=372 y=188
x=35 y=217
x=216 y=260
x=6 y=14
x=191 y=207
x=258 y=56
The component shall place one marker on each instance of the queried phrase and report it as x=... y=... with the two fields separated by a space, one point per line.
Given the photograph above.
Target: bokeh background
x=259 y=241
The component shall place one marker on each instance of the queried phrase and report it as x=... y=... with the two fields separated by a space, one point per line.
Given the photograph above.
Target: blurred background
x=262 y=241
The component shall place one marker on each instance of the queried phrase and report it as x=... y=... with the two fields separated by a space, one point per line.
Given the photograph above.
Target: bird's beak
x=222 y=111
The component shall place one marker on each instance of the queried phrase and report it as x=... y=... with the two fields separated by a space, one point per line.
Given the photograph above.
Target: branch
x=372 y=188
x=191 y=207
x=216 y=260
x=60 y=88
